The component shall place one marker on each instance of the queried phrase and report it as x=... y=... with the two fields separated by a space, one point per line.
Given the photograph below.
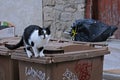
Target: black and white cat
x=35 y=38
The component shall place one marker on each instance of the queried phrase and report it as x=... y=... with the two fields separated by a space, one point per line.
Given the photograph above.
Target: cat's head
x=44 y=33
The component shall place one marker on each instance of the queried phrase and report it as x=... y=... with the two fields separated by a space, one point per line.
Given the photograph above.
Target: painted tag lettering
x=35 y=74
x=68 y=75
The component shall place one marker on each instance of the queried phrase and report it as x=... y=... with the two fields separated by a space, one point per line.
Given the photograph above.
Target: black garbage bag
x=90 y=30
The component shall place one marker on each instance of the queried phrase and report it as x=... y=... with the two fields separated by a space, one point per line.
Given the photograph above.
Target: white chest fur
x=39 y=41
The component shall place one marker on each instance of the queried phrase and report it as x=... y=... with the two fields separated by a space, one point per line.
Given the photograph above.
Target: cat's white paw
x=42 y=54
x=36 y=55
x=29 y=56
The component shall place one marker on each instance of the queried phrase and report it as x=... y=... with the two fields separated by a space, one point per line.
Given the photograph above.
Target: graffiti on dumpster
x=35 y=74
x=83 y=70
x=68 y=75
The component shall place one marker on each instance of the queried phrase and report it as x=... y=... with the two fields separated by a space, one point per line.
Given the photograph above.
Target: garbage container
x=63 y=61
x=8 y=67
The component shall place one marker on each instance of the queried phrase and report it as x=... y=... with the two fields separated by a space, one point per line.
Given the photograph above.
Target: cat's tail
x=11 y=47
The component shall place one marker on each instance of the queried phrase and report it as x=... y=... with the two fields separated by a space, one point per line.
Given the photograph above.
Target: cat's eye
x=48 y=32
x=42 y=32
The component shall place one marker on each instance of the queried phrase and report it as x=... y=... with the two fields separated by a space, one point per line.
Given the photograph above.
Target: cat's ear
x=48 y=28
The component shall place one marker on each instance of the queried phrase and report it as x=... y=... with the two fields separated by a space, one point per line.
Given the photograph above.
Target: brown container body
x=8 y=68
x=64 y=60
x=84 y=69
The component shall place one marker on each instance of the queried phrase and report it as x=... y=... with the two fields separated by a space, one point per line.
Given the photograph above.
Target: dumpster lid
x=55 y=51
x=12 y=40
x=63 y=51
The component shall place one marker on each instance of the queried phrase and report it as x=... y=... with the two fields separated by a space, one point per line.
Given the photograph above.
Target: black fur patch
x=28 y=48
x=40 y=49
x=32 y=44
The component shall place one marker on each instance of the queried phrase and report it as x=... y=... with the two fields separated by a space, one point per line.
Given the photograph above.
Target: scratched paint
x=69 y=75
x=33 y=74
x=83 y=70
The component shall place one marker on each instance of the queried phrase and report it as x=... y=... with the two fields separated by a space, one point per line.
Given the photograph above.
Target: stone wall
x=60 y=14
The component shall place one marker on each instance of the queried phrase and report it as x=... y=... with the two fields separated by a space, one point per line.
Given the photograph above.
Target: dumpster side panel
x=33 y=71
x=14 y=69
x=83 y=69
x=97 y=68
x=8 y=69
